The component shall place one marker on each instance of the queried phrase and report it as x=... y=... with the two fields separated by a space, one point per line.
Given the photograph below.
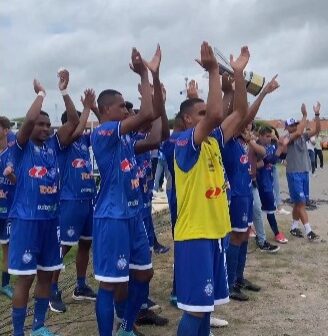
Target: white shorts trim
x=269 y=211
x=18 y=272
x=85 y=238
x=111 y=279
x=221 y=301
x=195 y=309
x=250 y=224
x=66 y=243
x=49 y=268
x=4 y=242
x=141 y=267
x=239 y=229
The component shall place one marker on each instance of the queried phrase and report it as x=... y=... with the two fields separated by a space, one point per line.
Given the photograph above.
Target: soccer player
x=297 y=170
x=34 y=247
x=76 y=206
x=7 y=189
x=125 y=261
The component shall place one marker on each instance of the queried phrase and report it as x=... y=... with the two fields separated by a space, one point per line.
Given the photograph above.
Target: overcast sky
x=93 y=39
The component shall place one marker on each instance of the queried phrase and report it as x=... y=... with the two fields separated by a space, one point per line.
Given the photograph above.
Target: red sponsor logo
x=78 y=163
x=182 y=142
x=37 y=172
x=105 y=132
x=126 y=165
x=244 y=159
x=213 y=193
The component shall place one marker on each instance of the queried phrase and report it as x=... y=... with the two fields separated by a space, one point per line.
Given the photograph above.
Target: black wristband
x=317 y=115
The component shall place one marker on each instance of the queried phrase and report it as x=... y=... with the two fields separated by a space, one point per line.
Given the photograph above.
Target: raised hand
x=89 y=98
x=240 y=63
x=8 y=171
x=163 y=92
x=63 y=75
x=303 y=110
x=316 y=108
x=272 y=85
x=192 y=90
x=155 y=63
x=38 y=87
x=227 y=82
x=207 y=58
x=137 y=65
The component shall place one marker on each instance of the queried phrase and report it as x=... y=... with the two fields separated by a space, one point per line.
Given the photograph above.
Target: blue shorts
x=298 y=185
x=34 y=245
x=200 y=274
x=241 y=213
x=4 y=231
x=75 y=221
x=268 y=201
x=149 y=226
x=119 y=245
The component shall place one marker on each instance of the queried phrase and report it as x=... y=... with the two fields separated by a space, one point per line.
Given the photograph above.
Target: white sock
x=295 y=224
x=307 y=228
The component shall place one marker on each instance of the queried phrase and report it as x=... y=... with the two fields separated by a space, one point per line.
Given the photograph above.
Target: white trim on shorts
x=67 y=243
x=18 y=272
x=85 y=237
x=141 y=267
x=49 y=268
x=195 y=309
x=269 y=211
x=239 y=229
x=221 y=301
x=111 y=279
x=4 y=242
x=250 y=224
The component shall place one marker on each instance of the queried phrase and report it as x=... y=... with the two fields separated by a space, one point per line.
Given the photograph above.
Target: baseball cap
x=291 y=122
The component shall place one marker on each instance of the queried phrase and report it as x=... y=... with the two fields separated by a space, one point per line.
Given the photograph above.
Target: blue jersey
x=236 y=164
x=145 y=178
x=7 y=189
x=37 y=173
x=118 y=196
x=77 y=182
x=11 y=138
x=264 y=176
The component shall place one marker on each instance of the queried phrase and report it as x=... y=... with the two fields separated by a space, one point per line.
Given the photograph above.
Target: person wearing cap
x=297 y=169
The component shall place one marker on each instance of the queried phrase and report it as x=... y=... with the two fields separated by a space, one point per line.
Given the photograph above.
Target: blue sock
x=273 y=223
x=205 y=327
x=189 y=325
x=173 y=293
x=54 y=287
x=105 y=311
x=80 y=281
x=18 y=317
x=232 y=262
x=137 y=295
x=120 y=309
x=144 y=305
x=5 y=278
x=40 y=310
x=241 y=261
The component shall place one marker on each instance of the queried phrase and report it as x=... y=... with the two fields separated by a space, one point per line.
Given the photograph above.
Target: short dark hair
x=187 y=104
x=4 y=122
x=178 y=124
x=105 y=98
x=44 y=113
x=265 y=130
x=64 y=117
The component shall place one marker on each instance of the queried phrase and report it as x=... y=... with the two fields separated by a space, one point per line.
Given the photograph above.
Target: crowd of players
x=221 y=179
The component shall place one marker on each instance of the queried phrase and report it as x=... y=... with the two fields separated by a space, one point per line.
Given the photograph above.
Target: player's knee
x=85 y=245
x=144 y=275
x=236 y=238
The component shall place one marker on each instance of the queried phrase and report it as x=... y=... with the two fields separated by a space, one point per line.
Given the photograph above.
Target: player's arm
x=230 y=124
x=145 y=114
x=301 y=126
x=87 y=101
x=153 y=139
x=317 y=127
x=228 y=94
x=9 y=173
x=32 y=115
x=65 y=132
x=214 y=111
x=254 y=108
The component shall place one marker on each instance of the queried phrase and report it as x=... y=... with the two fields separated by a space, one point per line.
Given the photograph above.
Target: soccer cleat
x=218 y=323
x=122 y=332
x=282 y=211
x=56 y=303
x=280 y=238
x=245 y=284
x=148 y=317
x=43 y=331
x=160 y=249
x=269 y=248
x=311 y=236
x=296 y=233
x=237 y=294
x=153 y=305
x=7 y=291
x=84 y=293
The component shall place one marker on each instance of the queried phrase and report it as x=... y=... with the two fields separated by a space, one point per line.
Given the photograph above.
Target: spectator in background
x=310 y=144
x=161 y=169
x=318 y=151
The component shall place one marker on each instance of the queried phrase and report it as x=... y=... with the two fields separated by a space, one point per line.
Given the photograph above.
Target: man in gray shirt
x=298 y=167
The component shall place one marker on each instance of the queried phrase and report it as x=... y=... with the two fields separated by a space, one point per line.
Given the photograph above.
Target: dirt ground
x=293 y=299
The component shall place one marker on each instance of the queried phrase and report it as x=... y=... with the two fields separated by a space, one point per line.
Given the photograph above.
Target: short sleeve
x=218 y=135
x=186 y=152
x=107 y=134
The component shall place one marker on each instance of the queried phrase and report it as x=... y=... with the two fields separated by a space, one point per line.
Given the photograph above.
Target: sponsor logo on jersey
x=126 y=165
x=48 y=190
x=244 y=159
x=105 y=132
x=182 y=142
x=37 y=171
x=212 y=193
x=3 y=194
x=79 y=163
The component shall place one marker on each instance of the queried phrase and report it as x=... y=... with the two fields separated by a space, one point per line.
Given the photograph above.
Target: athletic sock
x=273 y=223
x=307 y=228
x=18 y=317
x=205 y=327
x=120 y=308
x=144 y=305
x=189 y=325
x=105 y=311
x=54 y=287
x=232 y=262
x=80 y=282
x=40 y=310
x=241 y=262
x=5 y=278
x=295 y=224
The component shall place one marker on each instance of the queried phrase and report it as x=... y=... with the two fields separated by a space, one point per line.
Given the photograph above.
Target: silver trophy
x=254 y=82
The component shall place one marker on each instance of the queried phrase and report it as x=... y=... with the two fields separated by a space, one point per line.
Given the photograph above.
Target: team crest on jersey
x=122 y=263
x=126 y=165
x=244 y=159
x=70 y=232
x=209 y=289
x=79 y=163
x=27 y=257
x=37 y=172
